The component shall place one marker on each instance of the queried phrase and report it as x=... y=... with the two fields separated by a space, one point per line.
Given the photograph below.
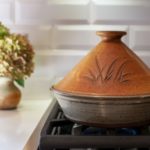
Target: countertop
x=20 y=128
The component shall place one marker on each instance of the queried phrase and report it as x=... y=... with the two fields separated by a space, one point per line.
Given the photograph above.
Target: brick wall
x=63 y=31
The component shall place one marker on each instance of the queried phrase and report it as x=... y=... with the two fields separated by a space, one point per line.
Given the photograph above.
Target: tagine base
x=101 y=125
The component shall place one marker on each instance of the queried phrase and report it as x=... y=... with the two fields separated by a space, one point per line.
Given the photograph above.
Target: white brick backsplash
x=40 y=36
x=39 y=85
x=68 y=12
x=70 y=27
x=51 y=64
x=33 y=12
x=140 y=37
x=122 y=14
x=72 y=2
x=123 y=2
x=48 y=66
x=81 y=37
x=6 y=12
x=30 y=12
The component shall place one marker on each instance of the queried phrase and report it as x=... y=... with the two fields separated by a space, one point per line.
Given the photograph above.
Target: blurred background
x=63 y=31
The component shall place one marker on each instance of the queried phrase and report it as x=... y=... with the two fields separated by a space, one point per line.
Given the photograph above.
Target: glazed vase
x=10 y=94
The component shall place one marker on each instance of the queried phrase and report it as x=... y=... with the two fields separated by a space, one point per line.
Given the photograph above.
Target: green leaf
x=20 y=82
x=3 y=31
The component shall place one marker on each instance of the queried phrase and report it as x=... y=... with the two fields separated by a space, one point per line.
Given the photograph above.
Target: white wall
x=62 y=31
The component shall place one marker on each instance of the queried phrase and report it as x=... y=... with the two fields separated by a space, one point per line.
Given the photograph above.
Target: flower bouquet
x=16 y=56
x=16 y=59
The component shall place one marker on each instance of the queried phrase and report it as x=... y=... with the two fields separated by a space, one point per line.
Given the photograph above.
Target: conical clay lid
x=110 y=69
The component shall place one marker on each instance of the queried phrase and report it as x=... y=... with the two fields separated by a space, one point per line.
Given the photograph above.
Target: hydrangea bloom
x=16 y=55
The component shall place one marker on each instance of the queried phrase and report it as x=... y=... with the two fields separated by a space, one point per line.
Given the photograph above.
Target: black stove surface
x=59 y=133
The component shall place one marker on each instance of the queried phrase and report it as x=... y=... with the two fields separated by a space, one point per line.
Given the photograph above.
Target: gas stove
x=59 y=133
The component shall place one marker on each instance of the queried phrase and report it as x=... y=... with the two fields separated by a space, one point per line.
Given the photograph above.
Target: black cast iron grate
x=60 y=133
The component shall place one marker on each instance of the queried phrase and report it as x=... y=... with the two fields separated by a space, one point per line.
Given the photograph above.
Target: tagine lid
x=110 y=69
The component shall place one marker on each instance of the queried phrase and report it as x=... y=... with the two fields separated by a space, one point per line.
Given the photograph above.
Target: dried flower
x=16 y=55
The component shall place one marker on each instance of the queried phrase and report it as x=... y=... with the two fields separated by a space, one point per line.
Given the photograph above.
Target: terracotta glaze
x=111 y=68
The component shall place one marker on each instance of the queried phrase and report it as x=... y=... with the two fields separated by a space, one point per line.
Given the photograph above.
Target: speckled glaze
x=104 y=111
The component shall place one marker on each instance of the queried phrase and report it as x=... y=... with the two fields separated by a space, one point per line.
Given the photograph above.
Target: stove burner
x=94 y=131
x=128 y=131
x=86 y=130
x=78 y=129
x=59 y=132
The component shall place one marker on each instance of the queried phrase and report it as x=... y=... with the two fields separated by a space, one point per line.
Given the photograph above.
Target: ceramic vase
x=9 y=94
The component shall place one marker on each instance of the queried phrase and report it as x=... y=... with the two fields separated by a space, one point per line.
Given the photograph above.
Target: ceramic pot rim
x=116 y=33
x=71 y=94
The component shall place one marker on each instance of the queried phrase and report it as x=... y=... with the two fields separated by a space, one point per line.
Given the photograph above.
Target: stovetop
x=63 y=134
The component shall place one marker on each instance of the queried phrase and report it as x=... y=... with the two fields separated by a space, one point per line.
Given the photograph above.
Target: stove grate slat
x=59 y=133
